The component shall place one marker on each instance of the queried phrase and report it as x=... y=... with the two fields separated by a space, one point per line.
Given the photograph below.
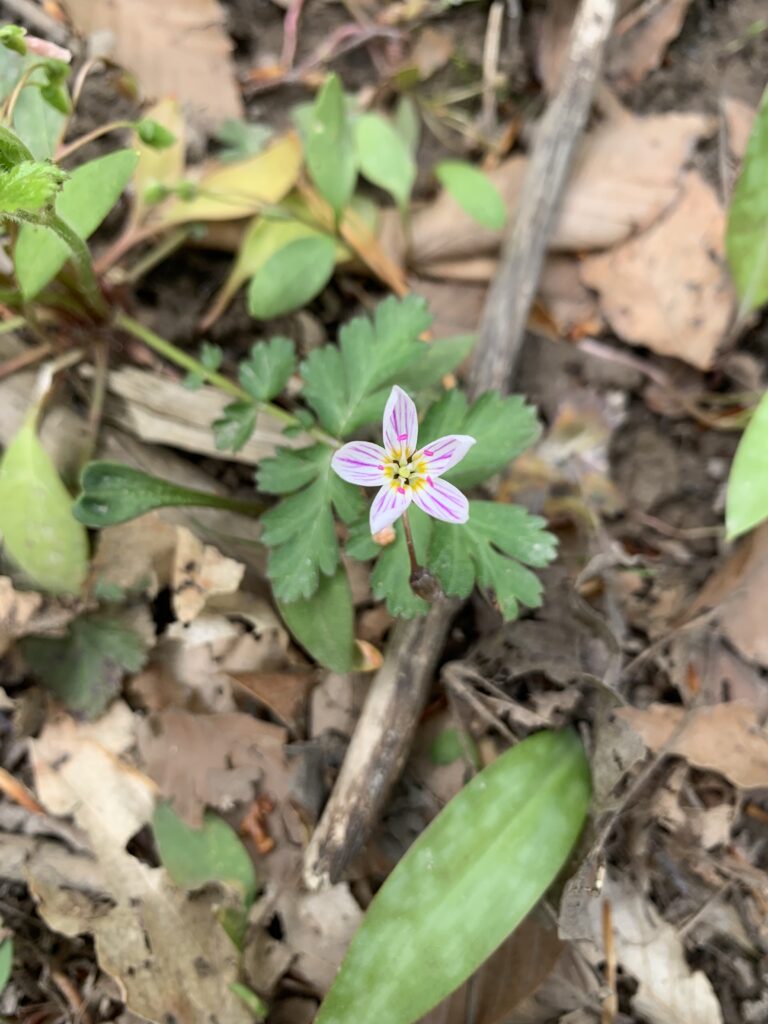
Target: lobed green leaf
x=266 y=371
x=30 y=187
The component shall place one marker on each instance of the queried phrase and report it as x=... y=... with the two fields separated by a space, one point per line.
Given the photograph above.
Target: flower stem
x=422 y=582
x=218 y=380
x=81 y=257
x=415 y=567
x=96 y=133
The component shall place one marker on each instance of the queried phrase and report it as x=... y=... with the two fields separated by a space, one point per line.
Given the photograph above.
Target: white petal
x=388 y=505
x=442 y=500
x=401 y=422
x=443 y=454
x=360 y=462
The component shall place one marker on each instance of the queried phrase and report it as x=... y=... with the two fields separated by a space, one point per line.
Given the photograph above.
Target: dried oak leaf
x=201 y=761
x=724 y=738
x=167 y=952
x=625 y=176
x=668 y=289
x=199 y=572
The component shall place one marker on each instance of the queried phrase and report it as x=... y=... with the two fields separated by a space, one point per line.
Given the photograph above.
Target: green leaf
x=29 y=187
x=449 y=746
x=502 y=428
x=746 y=502
x=746 y=236
x=266 y=371
x=239 y=140
x=12 y=37
x=289 y=470
x=474 y=192
x=193 y=857
x=211 y=356
x=292 y=277
x=234 y=428
x=438 y=359
x=345 y=385
x=465 y=884
x=489 y=550
x=384 y=157
x=300 y=528
x=6 y=962
x=112 y=493
x=12 y=149
x=391 y=575
x=84 y=201
x=39 y=531
x=85 y=668
x=39 y=124
x=324 y=623
x=329 y=145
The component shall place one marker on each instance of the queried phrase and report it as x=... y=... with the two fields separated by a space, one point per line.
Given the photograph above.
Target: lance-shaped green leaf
x=746 y=502
x=384 y=157
x=324 y=623
x=39 y=531
x=291 y=277
x=465 y=884
x=113 y=493
x=329 y=145
x=746 y=235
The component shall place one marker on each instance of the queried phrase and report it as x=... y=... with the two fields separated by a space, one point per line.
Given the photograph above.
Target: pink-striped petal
x=443 y=454
x=388 y=505
x=401 y=422
x=442 y=500
x=360 y=462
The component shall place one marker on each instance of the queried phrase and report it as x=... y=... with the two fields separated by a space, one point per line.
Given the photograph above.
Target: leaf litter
x=226 y=718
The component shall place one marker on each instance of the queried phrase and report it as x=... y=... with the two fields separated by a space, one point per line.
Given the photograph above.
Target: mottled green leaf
x=465 y=884
x=746 y=502
x=234 y=428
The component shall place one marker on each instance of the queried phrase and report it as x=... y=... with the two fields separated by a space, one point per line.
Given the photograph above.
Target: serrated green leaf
x=383 y=157
x=324 y=623
x=6 y=962
x=289 y=470
x=12 y=149
x=391 y=575
x=85 y=668
x=84 y=201
x=488 y=550
x=502 y=428
x=112 y=493
x=465 y=884
x=292 y=277
x=266 y=371
x=193 y=857
x=747 y=229
x=39 y=531
x=438 y=359
x=474 y=192
x=345 y=385
x=746 y=503
x=234 y=428
x=329 y=145
x=30 y=187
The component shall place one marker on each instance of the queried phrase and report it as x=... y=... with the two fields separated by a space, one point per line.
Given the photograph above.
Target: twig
x=514 y=287
x=491 y=48
x=386 y=725
x=611 y=1000
x=379 y=745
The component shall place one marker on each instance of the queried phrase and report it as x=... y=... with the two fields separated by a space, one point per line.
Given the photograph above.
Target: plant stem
x=83 y=140
x=409 y=544
x=218 y=380
x=10 y=103
x=81 y=257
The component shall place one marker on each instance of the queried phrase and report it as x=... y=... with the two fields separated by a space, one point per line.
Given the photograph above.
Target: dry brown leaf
x=149 y=936
x=739 y=118
x=736 y=591
x=551 y=29
x=457 y=305
x=23 y=612
x=283 y=693
x=642 y=47
x=318 y=927
x=625 y=176
x=136 y=556
x=201 y=761
x=668 y=289
x=652 y=951
x=199 y=573
x=177 y=48
x=432 y=51
x=723 y=738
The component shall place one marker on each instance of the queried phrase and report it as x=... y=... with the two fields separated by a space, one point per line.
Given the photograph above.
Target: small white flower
x=403 y=474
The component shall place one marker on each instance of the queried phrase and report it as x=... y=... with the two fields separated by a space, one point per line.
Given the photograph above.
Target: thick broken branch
x=383 y=734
